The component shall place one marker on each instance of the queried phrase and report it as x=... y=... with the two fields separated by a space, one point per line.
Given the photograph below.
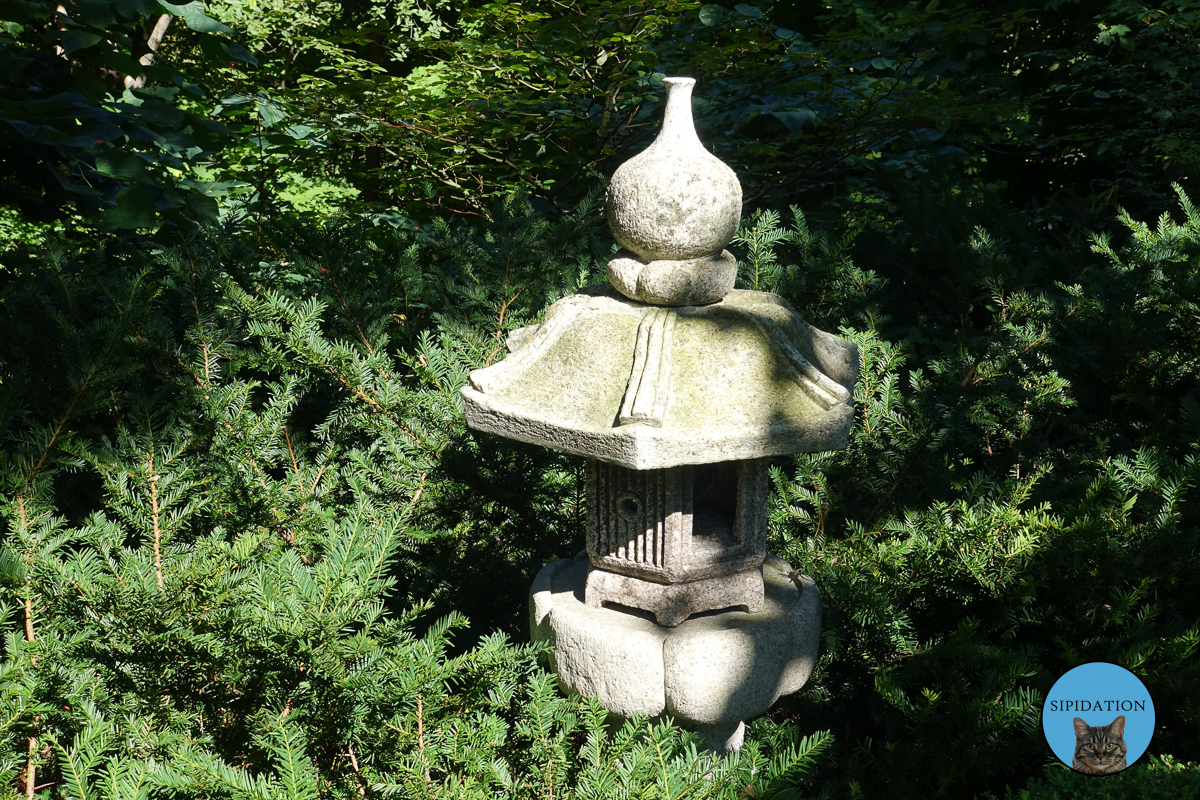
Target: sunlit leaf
x=194 y=17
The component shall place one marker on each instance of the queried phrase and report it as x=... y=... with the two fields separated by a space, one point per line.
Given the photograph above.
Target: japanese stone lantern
x=677 y=389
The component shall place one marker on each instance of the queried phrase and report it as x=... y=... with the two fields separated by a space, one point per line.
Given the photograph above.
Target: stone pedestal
x=711 y=672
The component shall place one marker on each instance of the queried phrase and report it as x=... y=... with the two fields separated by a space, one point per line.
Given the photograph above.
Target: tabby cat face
x=1100 y=749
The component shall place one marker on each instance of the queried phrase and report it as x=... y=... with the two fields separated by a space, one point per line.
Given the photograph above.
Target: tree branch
x=156 y=37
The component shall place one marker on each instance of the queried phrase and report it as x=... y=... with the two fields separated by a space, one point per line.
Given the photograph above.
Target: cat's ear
x=1081 y=728
x=1117 y=726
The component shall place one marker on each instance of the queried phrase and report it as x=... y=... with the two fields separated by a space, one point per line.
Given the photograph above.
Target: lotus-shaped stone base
x=710 y=673
x=689 y=282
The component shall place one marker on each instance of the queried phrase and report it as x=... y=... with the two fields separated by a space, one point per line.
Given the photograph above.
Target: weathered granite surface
x=711 y=672
x=648 y=387
x=674 y=200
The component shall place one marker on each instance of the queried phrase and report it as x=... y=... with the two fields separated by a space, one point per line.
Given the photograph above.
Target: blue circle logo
x=1098 y=718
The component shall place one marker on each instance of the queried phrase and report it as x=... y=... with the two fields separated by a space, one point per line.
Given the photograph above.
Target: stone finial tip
x=673 y=208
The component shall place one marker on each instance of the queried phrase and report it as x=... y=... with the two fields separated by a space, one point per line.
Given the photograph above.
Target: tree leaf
x=122 y=165
x=794 y=120
x=194 y=17
x=78 y=40
x=269 y=110
x=135 y=209
x=926 y=135
x=239 y=53
x=161 y=113
x=203 y=207
x=711 y=14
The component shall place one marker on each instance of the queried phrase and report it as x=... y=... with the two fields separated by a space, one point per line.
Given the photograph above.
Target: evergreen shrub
x=1158 y=779
x=251 y=549
x=1018 y=495
x=240 y=507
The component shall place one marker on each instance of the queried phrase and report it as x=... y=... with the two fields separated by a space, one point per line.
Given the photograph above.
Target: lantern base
x=672 y=603
x=709 y=673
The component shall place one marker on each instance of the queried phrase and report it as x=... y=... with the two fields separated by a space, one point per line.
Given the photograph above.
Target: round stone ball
x=668 y=203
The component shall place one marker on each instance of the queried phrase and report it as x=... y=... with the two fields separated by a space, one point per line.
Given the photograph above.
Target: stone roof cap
x=649 y=387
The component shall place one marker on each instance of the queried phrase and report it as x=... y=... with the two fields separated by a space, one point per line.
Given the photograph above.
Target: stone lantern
x=677 y=389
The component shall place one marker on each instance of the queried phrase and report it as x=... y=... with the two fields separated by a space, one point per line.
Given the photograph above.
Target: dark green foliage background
x=250 y=548
x=1015 y=499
